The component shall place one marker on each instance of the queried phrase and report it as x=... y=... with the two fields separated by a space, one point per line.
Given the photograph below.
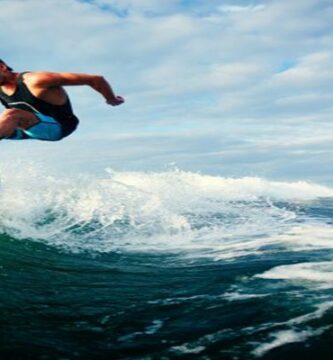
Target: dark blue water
x=165 y=266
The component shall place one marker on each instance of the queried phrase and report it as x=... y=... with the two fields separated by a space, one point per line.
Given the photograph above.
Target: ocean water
x=168 y=265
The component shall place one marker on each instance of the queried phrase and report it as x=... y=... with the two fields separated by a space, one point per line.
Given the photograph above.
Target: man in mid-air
x=37 y=106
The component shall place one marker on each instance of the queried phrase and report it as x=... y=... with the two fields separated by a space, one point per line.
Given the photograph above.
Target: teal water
x=164 y=266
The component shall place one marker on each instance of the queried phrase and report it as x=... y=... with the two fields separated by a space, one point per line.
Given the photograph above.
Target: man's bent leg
x=11 y=119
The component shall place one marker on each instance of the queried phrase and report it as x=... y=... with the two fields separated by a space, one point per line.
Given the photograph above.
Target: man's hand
x=102 y=86
x=116 y=100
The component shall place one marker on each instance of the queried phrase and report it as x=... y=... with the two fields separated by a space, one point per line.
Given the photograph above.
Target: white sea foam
x=284 y=337
x=236 y=296
x=295 y=332
x=317 y=314
x=307 y=273
x=321 y=310
x=308 y=236
x=142 y=211
x=151 y=329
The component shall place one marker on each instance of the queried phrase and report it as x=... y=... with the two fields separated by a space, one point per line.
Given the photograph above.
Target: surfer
x=37 y=106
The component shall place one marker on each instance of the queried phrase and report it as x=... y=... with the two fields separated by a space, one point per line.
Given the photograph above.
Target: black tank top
x=24 y=100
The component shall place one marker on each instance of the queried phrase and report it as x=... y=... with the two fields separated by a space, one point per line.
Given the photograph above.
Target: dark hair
x=8 y=67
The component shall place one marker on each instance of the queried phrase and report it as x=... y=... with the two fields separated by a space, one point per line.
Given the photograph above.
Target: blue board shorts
x=47 y=129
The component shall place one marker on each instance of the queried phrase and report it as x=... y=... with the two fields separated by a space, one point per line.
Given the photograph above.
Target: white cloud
x=238 y=8
x=139 y=6
x=313 y=69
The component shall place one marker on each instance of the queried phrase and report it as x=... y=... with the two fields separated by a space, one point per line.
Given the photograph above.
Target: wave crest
x=147 y=210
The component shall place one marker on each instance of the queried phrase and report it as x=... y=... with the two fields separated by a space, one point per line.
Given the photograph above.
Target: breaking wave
x=166 y=211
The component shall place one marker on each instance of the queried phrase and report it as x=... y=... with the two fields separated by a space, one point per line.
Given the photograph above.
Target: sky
x=230 y=88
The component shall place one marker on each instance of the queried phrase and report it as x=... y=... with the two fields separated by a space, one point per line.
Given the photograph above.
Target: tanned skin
x=47 y=86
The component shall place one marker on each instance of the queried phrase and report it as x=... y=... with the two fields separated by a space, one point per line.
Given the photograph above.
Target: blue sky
x=234 y=88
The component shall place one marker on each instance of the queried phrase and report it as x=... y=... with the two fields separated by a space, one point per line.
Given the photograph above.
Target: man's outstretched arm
x=97 y=82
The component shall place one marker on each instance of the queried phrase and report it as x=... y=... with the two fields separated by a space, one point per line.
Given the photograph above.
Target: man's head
x=3 y=63
x=5 y=72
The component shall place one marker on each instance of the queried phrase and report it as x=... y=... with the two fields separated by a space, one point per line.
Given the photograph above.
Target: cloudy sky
x=234 y=88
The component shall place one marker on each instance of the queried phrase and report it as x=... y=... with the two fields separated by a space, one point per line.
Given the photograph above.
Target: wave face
x=140 y=211
x=163 y=265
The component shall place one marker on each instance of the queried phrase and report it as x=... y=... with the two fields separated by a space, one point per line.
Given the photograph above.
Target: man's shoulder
x=29 y=76
x=33 y=75
x=35 y=78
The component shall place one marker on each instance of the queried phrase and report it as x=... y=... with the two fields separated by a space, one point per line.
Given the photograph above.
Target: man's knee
x=10 y=113
x=18 y=117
